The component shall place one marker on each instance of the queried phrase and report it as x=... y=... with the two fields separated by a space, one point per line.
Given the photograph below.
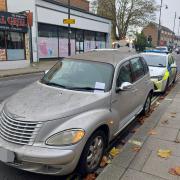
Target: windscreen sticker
x=99 y=87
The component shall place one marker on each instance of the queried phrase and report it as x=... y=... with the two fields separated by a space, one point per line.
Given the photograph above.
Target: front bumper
x=159 y=86
x=42 y=160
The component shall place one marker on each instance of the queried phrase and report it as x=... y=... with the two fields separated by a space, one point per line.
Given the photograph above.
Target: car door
x=123 y=101
x=173 y=68
x=140 y=80
x=170 y=69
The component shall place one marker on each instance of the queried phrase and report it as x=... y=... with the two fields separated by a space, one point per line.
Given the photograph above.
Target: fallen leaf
x=173 y=113
x=104 y=161
x=173 y=116
x=152 y=132
x=175 y=171
x=141 y=120
x=114 y=152
x=123 y=142
x=172 y=171
x=177 y=141
x=90 y=177
x=165 y=122
x=164 y=153
x=136 y=148
x=134 y=130
x=134 y=142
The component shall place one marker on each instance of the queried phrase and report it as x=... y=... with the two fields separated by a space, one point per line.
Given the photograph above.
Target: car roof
x=111 y=56
x=155 y=54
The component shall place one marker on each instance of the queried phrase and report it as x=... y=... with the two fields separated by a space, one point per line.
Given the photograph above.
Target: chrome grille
x=16 y=131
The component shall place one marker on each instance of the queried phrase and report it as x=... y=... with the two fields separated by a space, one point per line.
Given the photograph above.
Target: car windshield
x=161 y=48
x=80 y=75
x=155 y=60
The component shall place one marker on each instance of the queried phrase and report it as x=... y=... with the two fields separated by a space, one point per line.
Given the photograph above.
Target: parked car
x=163 y=70
x=164 y=49
x=67 y=119
x=177 y=50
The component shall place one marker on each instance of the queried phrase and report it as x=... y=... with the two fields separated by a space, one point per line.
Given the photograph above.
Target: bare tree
x=126 y=13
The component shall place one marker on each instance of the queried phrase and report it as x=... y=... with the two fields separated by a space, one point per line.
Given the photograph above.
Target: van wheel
x=147 y=104
x=92 y=153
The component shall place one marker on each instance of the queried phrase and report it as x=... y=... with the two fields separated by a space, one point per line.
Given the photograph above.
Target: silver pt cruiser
x=66 y=120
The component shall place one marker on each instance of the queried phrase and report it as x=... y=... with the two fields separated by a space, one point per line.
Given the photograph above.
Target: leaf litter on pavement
x=164 y=153
x=175 y=171
x=152 y=132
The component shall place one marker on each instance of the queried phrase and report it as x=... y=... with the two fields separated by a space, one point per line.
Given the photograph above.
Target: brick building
x=166 y=35
x=81 y=4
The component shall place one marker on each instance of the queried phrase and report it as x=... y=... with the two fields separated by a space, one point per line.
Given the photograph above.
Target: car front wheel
x=92 y=153
x=147 y=104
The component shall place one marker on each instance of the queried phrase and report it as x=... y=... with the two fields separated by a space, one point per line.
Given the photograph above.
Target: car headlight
x=67 y=137
x=159 y=78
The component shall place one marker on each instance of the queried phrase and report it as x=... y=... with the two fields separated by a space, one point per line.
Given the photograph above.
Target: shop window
x=89 y=40
x=15 y=46
x=45 y=30
x=2 y=46
x=15 y=40
x=79 y=41
x=48 y=41
x=2 y=40
x=100 y=40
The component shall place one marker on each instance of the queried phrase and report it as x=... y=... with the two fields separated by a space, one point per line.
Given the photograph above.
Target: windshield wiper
x=87 y=88
x=55 y=84
x=161 y=65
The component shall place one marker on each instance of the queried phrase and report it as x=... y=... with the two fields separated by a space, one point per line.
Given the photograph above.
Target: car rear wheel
x=92 y=153
x=147 y=104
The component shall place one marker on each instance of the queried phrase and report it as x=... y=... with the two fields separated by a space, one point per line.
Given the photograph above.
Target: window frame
x=119 y=69
x=134 y=76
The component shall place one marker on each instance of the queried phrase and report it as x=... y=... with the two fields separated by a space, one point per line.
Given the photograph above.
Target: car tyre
x=166 y=87
x=147 y=104
x=175 y=78
x=92 y=153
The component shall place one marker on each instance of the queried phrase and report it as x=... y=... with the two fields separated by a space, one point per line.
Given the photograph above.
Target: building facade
x=166 y=35
x=50 y=34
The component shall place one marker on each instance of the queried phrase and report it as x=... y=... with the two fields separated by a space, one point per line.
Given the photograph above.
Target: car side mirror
x=125 y=86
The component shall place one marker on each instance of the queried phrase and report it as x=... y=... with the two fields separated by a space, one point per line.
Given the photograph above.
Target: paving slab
x=155 y=144
x=111 y=173
x=136 y=175
x=170 y=120
x=160 y=167
x=140 y=159
x=166 y=133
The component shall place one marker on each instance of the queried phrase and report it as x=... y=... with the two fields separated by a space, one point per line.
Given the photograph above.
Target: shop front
x=53 y=41
x=13 y=28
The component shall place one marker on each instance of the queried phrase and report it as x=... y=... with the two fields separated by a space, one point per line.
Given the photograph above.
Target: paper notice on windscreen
x=99 y=86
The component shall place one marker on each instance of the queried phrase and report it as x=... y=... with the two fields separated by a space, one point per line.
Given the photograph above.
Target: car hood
x=156 y=71
x=39 y=102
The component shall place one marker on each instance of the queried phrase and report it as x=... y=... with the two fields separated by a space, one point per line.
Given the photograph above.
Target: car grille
x=16 y=131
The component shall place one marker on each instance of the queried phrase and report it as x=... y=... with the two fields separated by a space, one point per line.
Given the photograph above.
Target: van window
x=146 y=68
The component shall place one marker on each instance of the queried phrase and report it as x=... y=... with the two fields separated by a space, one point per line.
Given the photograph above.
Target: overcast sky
x=169 y=14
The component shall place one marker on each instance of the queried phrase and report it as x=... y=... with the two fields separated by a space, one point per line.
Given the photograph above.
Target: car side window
x=137 y=68
x=146 y=68
x=125 y=74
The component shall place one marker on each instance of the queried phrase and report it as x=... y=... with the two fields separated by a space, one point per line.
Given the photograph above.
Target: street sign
x=69 y=21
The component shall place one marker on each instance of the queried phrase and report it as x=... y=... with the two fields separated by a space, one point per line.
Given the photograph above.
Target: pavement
x=28 y=69
x=138 y=159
